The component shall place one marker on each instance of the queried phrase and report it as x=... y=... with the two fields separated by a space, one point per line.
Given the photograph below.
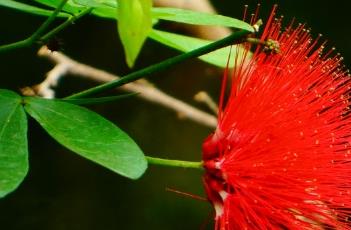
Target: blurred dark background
x=65 y=191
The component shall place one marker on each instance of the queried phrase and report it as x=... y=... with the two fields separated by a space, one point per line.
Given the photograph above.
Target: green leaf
x=88 y=134
x=101 y=8
x=199 y=18
x=28 y=8
x=13 y=142
x=96 y=3
x=186 y=44
x=134 y=25
x=69 y=7
x=98 y=100
x=105 y=12
x=138 y=14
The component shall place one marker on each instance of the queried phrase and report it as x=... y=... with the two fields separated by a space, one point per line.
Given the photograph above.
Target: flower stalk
x=175 y=163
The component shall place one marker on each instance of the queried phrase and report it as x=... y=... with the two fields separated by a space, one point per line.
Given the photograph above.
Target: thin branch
x=235 y=37
x=65 y=65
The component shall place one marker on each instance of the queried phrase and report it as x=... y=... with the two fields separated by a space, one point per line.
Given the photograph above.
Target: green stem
x=15 y=45
x=174 y=163
x=38 y=34
x=255 y=41
x=68 y=22
x=235 y=37
x=47 y=23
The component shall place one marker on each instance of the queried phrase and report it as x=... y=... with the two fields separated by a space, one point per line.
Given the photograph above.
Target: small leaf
x=98 y=100
x=134 y=25
x=13 y=142
x=88 y=134
x=28 y=8
x=199 y=18
x=186 y=44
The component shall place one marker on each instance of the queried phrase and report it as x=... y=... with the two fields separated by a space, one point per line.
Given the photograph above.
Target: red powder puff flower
x=280 y=157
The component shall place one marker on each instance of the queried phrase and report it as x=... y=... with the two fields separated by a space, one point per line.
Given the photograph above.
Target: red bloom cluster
x=280 y=157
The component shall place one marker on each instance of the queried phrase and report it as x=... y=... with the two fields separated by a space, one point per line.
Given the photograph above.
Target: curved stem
x=174 y=163
x=235 y=37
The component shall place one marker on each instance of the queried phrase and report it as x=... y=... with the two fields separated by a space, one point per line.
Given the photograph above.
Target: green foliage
x=13 y=142
x=134 y=25
x=75 y=127
x=134 y=19
x=79 y=129
x=88 y=134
